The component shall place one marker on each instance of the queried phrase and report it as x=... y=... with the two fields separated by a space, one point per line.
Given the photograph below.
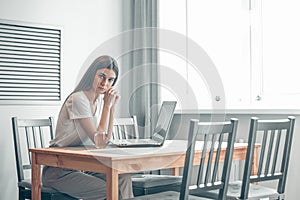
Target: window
x=254 y=45
x=221 y=29
x=276 y=48
x=30 y=63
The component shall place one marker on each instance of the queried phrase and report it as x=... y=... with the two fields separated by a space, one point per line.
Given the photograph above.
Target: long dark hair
x=102 y=62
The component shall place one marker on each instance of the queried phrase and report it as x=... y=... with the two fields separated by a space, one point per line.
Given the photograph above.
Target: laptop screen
x=165 y=117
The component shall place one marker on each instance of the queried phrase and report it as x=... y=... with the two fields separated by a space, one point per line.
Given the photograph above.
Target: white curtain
x=139 y=93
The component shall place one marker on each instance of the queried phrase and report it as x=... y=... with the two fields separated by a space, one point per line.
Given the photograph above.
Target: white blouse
x=69 y=132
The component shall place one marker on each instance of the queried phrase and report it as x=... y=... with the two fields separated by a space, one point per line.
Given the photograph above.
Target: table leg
x=255 y=162
x=112 y=184
x=35 y=179
x=175 y=171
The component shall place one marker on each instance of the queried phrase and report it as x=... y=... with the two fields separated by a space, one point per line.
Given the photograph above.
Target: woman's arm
x=88 y=124
x=107 y=117
x=111 y=118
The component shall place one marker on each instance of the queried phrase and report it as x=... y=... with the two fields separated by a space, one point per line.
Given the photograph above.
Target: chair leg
x=21 y=195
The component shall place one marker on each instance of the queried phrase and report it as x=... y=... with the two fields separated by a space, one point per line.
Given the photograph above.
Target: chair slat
x=210 y=159
x=34 y=136
x=28 y=140
x=114 y=131
x=34 y=122
x=136 y=130
x=119 y=132
x=217 y=160
x=42 y=142
x=270 y=149
x=202 y=160
x=276 y=151
x=273 y=124
x=262 y=154
x=26 y=167
x=125 y=135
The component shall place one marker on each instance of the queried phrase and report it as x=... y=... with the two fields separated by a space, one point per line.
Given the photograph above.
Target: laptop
x=160 y=132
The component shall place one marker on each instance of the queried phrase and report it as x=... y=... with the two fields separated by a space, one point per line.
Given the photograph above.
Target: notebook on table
x=160 y=132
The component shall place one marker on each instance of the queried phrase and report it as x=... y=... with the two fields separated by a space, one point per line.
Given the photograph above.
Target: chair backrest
x=125 y=128
x=215 y=138
x=29 y=133
x=275 y=137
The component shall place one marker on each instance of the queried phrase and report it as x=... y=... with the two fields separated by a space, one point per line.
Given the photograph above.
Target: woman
x=78 y=123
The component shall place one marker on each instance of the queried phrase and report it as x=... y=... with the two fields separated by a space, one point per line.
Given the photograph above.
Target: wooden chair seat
x=46 y=193
x=168 y=195
x=27 y=184
x=151 y=183
x=255 y=191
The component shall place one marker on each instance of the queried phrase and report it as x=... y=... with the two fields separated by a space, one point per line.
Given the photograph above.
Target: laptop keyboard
x=138 y=141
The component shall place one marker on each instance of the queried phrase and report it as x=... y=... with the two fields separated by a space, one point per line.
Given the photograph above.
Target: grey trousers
x=84 y=185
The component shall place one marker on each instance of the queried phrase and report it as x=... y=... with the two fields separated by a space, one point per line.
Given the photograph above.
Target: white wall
x=86 y=25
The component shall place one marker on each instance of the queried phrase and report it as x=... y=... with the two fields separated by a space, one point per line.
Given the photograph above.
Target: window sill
x=241 y=111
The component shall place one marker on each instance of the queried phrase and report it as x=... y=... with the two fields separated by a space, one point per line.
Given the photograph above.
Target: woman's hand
x=111 y=97
x=117 y=99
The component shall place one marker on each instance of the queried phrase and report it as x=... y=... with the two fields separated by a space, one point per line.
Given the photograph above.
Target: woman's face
x=103 y=80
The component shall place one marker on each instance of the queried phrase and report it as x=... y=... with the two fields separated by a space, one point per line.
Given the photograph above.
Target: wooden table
x=113 y=161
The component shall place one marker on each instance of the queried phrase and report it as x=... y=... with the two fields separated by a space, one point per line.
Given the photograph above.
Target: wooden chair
x=32 y=133
x=275 y=137
x=215 y=137
x=147 y=182
x=125 y=128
